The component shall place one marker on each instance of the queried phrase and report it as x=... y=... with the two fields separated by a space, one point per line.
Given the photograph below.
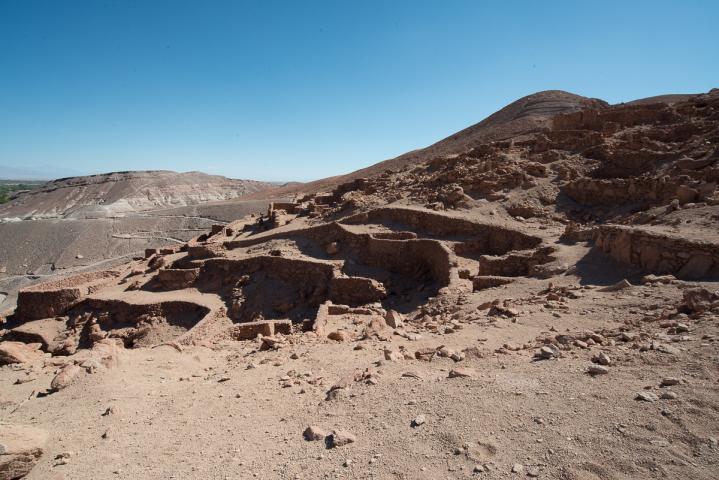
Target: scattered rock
x=658 y=279
x=333 y=248
x=394 y=319
x=646 y=397
x=340 y=336
x=340 y=438
x=533 y=472
x=602 y=359
x=668 y=349
x=594 y=370
x=65 y=377
x=417 y=421
x=621 y=285
x=20 y=448
x=393 y=355
x=545 y=353
x=670 y=381
x=461 y=372
x=313 y=434
x=425 y=354
x=18 y=352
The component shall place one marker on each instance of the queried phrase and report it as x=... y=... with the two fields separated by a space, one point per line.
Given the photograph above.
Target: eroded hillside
x=118 y=193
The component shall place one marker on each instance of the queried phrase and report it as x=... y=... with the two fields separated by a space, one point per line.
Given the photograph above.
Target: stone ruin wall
x=660 y=254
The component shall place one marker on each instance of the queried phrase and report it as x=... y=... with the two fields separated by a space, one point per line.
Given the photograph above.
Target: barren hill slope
x=525 y=116
x=108 y=194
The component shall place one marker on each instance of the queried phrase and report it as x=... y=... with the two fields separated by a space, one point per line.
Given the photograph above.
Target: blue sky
x=301 y=90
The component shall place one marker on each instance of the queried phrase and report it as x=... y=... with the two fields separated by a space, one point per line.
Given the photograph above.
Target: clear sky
x=298 y=90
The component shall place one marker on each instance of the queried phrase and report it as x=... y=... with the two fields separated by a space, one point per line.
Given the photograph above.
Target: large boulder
x=698 y=300
x=44 y=332
x=18 y=352
x=65 y=377
x=21 y=447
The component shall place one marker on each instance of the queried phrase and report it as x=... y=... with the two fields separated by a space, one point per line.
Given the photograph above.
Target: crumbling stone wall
x=51 y=299
x=642 y=190
x=659 y=253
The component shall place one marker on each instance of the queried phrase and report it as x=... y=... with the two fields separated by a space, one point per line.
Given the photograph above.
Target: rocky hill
x=525 y=116
x=118 y=193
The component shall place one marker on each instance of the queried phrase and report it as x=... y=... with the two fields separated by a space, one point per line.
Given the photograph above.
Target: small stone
x=669 y=396
x=332 y=248
x=339 y=336
x=517 y=468
x=670 y=381
x=602 y=359
x=478 y=469
x=313 y=434
x=545 y=353
x=646 y=397
x=457 y=356
x=393 y=355
x=340 y=438
x=461 y=372
x=668 y=349
x=597 y=370
x=621 y=285
x=394 y=319
x=347 y=462
x=533 y=472
x=418 y=420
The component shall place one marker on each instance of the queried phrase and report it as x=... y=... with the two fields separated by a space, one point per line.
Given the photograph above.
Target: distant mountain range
x=125 y=192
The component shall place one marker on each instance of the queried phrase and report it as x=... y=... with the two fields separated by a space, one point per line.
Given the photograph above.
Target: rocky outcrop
x=19 y=352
